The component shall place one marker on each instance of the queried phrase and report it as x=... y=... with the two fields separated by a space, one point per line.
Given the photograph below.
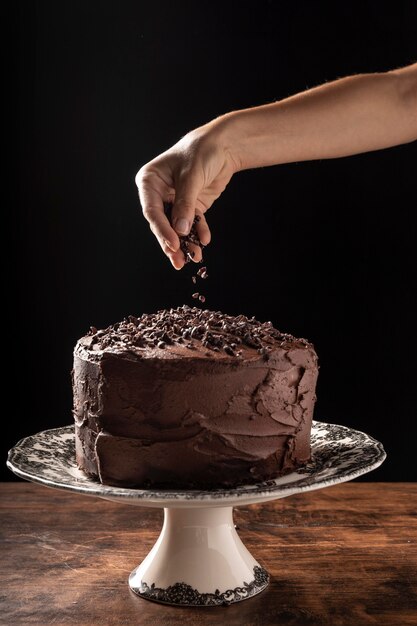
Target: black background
x=325 y=250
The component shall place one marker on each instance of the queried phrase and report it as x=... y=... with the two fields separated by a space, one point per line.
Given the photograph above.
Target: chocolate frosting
x=192 y=398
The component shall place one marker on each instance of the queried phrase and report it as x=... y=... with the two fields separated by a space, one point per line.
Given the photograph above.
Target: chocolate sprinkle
x=185 y=240
x=216 y=331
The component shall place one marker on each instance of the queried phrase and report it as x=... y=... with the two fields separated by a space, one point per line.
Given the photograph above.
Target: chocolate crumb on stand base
x=192 y=398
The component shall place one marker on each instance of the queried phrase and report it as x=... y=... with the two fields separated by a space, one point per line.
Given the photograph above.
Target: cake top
x=190 y=328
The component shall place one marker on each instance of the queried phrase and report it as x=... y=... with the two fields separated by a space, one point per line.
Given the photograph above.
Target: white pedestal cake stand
x=199 y=559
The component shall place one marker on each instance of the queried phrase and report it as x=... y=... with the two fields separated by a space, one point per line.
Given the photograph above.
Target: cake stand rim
x=218 y=497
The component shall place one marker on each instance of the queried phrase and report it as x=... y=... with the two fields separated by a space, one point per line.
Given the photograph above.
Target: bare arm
x=347 y=116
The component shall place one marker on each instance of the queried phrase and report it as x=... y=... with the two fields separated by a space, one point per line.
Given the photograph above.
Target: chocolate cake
x=191 y=398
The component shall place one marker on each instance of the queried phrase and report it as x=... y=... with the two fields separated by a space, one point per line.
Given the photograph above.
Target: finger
x=203 y=231
x=161 y=240
x=195 y=251
x=153 y=211
x=187 y=189
x=177 y=259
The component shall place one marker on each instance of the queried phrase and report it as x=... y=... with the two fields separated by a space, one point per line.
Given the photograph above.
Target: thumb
x=186 y=193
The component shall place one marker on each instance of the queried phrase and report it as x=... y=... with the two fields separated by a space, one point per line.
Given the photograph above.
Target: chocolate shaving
x=216 y=331
x=185 y=240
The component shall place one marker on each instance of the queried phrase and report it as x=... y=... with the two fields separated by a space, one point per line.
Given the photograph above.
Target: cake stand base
x=198 y=560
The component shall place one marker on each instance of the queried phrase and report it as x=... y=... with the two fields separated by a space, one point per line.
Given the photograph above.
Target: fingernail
x=170 y=245
x=174 y=264
x=182 y=226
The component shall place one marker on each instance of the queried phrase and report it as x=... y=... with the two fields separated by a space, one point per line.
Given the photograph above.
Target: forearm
x=348 y=116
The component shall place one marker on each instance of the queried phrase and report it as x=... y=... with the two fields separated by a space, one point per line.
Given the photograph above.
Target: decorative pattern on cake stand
x=184 y=594
x=199 y=559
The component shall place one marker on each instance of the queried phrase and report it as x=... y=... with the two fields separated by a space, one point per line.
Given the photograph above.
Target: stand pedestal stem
x=198 y=559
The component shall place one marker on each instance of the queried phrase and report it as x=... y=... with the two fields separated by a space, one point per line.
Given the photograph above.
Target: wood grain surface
x=345 y=555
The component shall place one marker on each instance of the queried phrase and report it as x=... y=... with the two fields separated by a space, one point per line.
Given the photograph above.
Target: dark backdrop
x=326 y=250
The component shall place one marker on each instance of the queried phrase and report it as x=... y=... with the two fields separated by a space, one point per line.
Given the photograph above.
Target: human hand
x=191 y=175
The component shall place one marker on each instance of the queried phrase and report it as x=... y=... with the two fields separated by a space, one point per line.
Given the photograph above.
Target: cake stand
x=199 y=559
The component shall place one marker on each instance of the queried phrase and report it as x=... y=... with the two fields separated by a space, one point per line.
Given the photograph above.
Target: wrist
x=227 y=134
x=249 y=136
x=226 y=131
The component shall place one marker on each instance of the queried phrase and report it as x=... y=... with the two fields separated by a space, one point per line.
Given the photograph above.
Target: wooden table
x=345 y=555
